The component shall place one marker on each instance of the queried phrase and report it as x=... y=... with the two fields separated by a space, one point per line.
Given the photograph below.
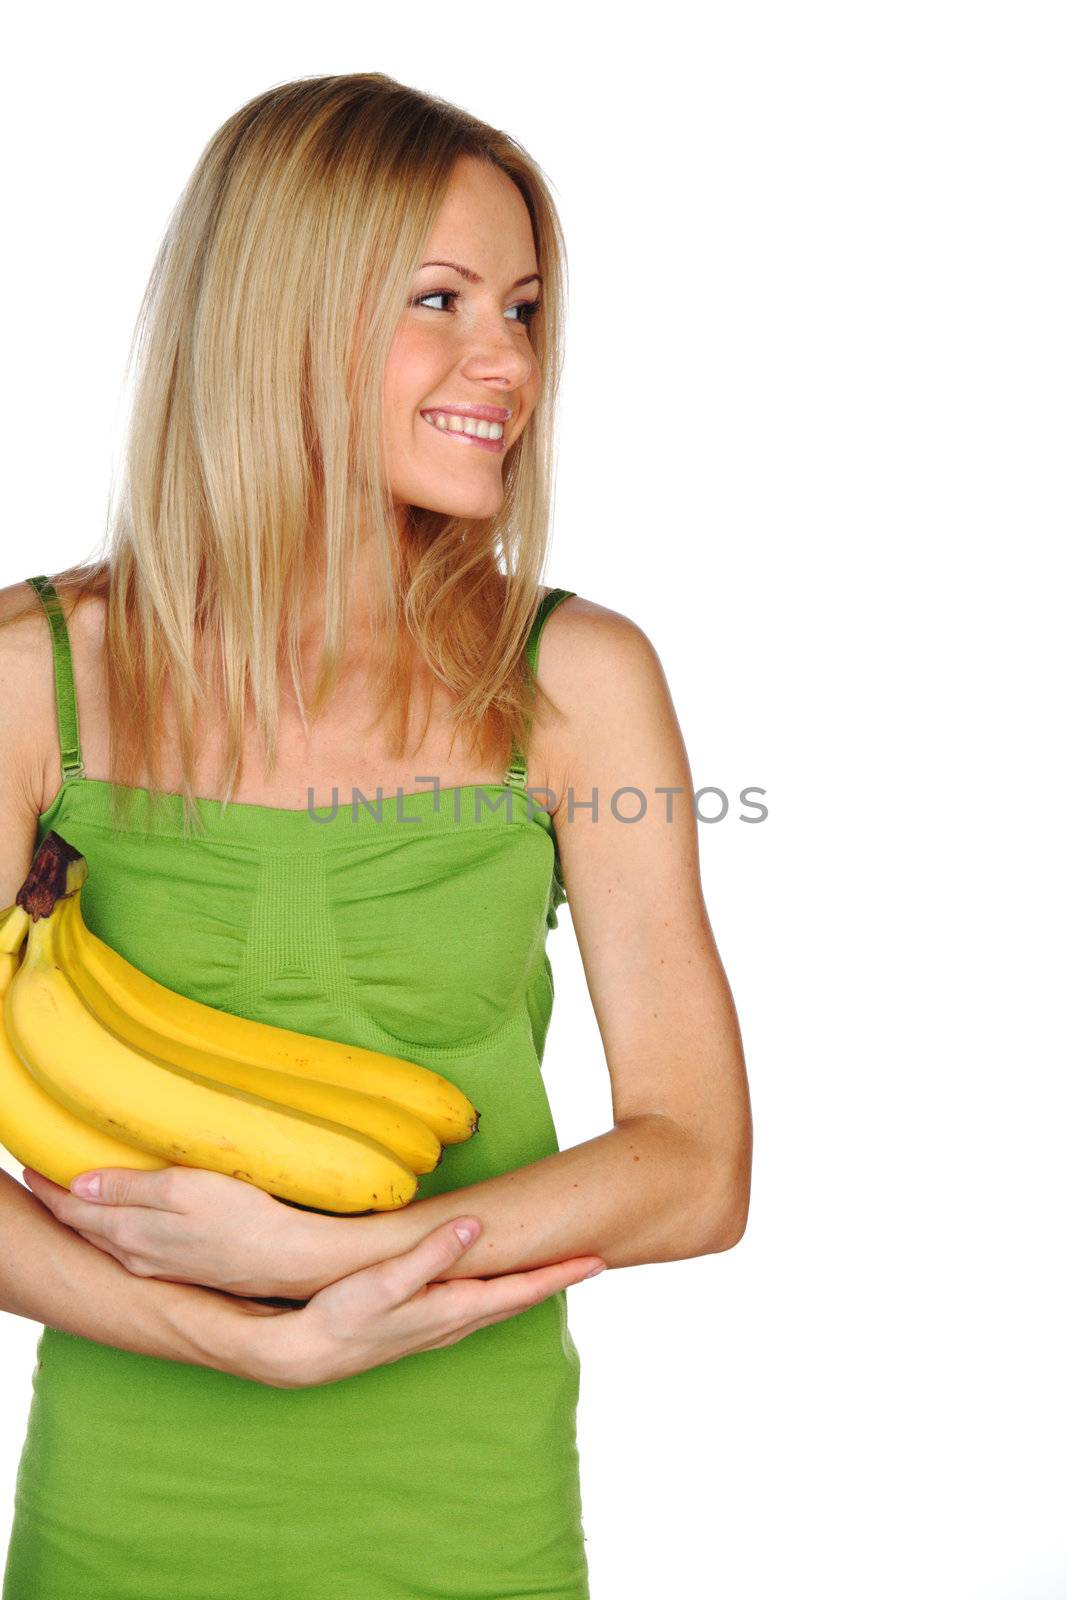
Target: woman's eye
x=438 y=294
x=527 y=309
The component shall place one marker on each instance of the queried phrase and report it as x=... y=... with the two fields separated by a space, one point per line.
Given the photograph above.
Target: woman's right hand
x=393 y=1309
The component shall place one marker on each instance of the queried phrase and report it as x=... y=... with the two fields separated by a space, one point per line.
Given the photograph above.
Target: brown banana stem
x=53 y=874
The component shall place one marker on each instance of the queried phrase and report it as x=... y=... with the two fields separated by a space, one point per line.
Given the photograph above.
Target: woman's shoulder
x=601 y=669
x=27 y=695
x=28 y=727
x=583 y=638
x=24 y=624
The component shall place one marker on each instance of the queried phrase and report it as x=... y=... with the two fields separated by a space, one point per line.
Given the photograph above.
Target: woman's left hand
x=188 y=1225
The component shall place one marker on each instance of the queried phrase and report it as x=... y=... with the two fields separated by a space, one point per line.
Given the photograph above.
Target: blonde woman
x=313 y=558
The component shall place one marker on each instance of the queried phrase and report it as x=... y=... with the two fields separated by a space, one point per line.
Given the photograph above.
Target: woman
x=353 y=268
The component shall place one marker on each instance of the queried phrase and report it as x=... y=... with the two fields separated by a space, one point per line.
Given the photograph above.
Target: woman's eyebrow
x=472 y=277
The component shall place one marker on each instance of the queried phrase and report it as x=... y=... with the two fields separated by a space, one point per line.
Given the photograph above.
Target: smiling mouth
x=448 y=431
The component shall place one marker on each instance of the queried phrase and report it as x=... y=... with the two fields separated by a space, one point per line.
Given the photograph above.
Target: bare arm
x=51 y=1275
x=671 y=1179
x=48 y=1273
x=643 y=1191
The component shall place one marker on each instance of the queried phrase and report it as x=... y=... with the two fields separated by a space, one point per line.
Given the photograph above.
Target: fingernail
x=594 y=1272
x=88 y=1188
x=464 y=1232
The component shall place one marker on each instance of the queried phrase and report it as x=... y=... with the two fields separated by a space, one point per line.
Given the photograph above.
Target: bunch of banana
x=102 y=1066
x=36 y=1129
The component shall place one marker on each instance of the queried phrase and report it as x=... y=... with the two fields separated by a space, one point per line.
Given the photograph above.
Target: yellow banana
x=14 y=922
x=401 y=1131
x=196 y=1036
x=37 y=1130
x=177 y=1114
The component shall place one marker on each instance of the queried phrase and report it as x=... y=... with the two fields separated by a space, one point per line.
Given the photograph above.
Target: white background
x=812 y=442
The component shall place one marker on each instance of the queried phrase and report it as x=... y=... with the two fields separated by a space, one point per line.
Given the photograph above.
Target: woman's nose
x=499 y=357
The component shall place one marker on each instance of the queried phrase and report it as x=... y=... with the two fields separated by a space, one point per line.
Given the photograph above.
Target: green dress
x=448 y=1475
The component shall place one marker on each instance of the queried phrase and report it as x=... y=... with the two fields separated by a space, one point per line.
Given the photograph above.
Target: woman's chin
x=469 y=507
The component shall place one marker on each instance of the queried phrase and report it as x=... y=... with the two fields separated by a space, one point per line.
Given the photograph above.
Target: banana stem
x=57 y=870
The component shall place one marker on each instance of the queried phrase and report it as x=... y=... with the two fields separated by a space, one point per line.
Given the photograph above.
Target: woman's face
x=463 y=342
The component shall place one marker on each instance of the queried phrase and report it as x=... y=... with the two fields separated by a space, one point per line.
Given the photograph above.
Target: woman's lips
x=495 y=445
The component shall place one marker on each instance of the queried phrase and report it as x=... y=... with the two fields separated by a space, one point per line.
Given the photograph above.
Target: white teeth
x=477 y=427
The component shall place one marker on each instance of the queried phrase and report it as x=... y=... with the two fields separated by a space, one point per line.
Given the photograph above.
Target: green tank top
x=414 y=925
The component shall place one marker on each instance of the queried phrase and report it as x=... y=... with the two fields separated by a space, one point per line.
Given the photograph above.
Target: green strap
x=70 y=756
x=516 y=774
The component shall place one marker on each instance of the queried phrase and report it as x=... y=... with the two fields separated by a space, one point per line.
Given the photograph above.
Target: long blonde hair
x=255 y=424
